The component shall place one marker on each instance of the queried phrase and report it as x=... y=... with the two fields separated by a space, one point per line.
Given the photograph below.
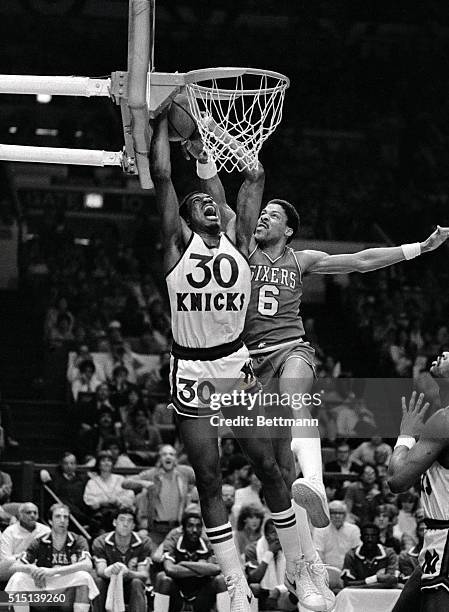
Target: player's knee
x=164 y=584
x=219 y=584
x=82 y=593
x=209 y=483
x=267 y=469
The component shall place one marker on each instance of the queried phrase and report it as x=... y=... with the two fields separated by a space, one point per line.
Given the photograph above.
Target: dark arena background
x=362 y=152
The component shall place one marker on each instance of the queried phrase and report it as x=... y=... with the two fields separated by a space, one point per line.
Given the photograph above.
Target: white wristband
x=408 y=441
x=411 y=250
x=206 y=171
x=371 y=579
x=267 y=557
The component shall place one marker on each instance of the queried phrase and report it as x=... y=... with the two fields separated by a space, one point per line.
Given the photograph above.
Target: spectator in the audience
x=342 y=463
x=407 y=504
x=69 y=485
x=58 y=560
x=123 y=555
x=60 y=307
x=364 y=453
x=337 y=539
x=6 y=509
x=163 y=494
x=142 y=440
x=190 y=572
x=227 y=450
x=92 y=440
x=61 y=334
x=104 y=493
x=251 y=494
x=86 y=383
x=363 y=496
x=383 y=518
x=17 y=537
x=117 y=449
x=408 y=559
x=120 y=386
x=370 y=563
x=133 y=401
x=228 y=497
x=265 y=570
x=249 y=525
x=7 y=425
x=332 y=487
x=82 y=354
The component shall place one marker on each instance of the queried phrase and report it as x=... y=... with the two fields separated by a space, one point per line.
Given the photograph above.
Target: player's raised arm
x=368 y=260
x=410 y=459
x=175 y=232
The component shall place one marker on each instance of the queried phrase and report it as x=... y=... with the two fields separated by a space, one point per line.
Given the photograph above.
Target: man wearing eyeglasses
x=335 y=540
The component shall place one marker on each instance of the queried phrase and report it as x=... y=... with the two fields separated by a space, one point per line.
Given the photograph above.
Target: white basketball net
x=235 y=115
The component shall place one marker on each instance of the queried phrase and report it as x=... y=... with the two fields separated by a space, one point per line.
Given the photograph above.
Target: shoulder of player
x=437 y=425
x=308 y=257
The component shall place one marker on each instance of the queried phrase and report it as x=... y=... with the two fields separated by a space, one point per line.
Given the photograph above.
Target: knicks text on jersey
x=209 y=291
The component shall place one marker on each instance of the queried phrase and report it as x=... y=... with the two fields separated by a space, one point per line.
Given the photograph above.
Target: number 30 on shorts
x=189 y=390
x=268 y=305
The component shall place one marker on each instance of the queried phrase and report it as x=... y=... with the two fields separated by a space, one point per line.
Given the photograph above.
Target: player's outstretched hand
x=440 y=367
x=440 y=235
x=413 y=415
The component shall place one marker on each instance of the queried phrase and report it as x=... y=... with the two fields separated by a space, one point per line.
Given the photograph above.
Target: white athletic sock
x=81 y=607
x=225 y=551
x=161 y=602
x=285 y=524
x=308 y=453
x=223 y=602
x=305 y=536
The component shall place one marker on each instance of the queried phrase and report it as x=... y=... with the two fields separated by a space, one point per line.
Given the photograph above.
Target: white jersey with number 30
x=209 y=291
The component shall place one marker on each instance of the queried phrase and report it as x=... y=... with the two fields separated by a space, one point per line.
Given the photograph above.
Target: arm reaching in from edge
x=368 y=260
x=410 y=459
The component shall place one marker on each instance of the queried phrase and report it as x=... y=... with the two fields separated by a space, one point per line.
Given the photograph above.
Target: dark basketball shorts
x=269 y=364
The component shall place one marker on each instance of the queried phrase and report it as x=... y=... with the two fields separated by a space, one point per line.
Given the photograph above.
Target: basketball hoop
x=236 y=110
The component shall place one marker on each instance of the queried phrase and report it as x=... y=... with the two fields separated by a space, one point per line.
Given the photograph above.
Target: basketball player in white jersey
x=209 y=285
x=427 y=458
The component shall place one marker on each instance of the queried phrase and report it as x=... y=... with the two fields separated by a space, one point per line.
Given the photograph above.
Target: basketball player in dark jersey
x=274 y=336
x=199 y=254
x=422 y=451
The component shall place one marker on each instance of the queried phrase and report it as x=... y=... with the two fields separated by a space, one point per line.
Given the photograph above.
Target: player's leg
x=277 y=496
x=166 y=594
x=201 y=444
x=137 y=601
x=221 y=594
x=297 y=378
x=410 y=598
x=81 y=597
x=432 y=600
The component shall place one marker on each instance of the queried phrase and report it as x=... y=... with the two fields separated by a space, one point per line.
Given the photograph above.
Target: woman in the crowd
x=104 y=494
x=249 y=524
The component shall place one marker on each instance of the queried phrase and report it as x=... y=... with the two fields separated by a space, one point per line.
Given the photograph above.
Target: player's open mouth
x=209 y=211
x=262 y=225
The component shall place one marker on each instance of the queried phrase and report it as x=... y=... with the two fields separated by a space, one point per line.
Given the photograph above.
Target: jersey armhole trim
x=182 y=255
x=298 y=264
x=236 y=248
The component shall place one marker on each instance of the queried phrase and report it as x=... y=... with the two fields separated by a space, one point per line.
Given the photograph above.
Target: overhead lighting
x=13 y=129
x=43 y=98
x=93 y=200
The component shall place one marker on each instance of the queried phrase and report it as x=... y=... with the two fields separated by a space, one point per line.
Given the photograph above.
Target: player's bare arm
x=410 y=460
x=319 y=262
x=175 y=232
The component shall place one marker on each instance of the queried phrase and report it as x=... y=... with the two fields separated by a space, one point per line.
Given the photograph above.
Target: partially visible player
x=427 y=458
x=209 y=286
